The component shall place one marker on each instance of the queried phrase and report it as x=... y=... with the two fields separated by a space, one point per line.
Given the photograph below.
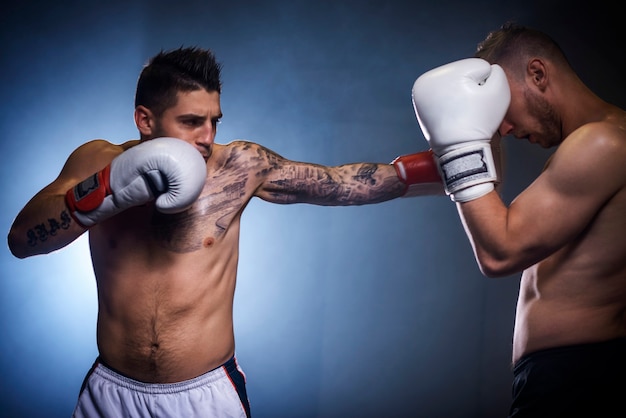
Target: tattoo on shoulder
x=41 y=232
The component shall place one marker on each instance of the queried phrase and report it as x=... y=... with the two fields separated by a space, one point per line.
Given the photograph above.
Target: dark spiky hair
x=178 y=70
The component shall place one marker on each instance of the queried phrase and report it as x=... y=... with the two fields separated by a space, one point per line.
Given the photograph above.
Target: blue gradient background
x=371 y=311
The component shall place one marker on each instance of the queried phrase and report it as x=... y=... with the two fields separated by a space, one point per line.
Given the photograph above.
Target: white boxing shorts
x=220 y=392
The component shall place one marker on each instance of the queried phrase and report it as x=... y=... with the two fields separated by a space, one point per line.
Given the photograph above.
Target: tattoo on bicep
x=41 y=232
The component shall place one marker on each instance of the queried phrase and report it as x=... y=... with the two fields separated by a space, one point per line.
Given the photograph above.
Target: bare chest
x=210 y=219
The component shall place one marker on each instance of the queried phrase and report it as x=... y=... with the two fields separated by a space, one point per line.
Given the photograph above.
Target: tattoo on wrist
x=41 y=232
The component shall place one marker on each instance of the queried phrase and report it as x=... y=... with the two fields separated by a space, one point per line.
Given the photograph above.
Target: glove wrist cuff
x=472 y=193
x=467 y=166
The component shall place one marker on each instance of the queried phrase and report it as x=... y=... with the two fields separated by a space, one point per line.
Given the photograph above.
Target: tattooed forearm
x=365 y=174
x=350 y=184
x=286 y=181
x=372 y=183
x=41 y=232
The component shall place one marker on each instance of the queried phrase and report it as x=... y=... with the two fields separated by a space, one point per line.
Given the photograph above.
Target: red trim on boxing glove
x=417 y=168
x=89 y=193
x=420 y=173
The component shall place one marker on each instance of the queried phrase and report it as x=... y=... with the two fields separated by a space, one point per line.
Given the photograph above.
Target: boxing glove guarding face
x=461 y=101
x=168 y=169
x=459 y=107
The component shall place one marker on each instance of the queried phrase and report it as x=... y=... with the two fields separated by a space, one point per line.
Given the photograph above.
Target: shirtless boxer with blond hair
x=566 y=232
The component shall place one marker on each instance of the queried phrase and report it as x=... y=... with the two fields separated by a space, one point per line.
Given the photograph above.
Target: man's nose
x=207 y=135
x=505 y=128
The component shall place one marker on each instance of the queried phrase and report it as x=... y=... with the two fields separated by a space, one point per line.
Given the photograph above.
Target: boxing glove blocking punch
x=419 y=173
x=459 y=107
x=168 y=169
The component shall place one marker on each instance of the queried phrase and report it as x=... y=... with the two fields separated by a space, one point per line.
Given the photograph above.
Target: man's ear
x=538 y=73
x=144 y=120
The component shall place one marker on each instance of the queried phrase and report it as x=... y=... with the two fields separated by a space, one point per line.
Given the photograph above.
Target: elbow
x=17 y=248
x=490 y=272
x=493 y=267
x=19 y=255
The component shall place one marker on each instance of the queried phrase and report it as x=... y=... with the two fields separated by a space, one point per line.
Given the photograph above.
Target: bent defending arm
x=44 y=224
x=166 y=169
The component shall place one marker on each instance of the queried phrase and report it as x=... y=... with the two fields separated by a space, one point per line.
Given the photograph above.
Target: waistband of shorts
x=165 y=388
x=618 y=343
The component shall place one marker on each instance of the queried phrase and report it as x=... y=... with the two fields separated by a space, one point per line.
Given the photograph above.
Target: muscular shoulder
x=603 y=140
x=244 y=153
x=602 y=133
x=102 y=146
x=593 y=155
x=92 y=156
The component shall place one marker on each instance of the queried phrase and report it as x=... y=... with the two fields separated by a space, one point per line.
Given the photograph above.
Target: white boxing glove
x=168 y=169
x=459 y=107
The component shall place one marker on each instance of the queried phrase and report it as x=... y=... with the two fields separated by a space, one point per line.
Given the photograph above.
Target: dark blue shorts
x=586 y=380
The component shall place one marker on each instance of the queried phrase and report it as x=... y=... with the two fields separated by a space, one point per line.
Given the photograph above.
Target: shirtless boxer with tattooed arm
x=163 y=215
x=566 y=232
